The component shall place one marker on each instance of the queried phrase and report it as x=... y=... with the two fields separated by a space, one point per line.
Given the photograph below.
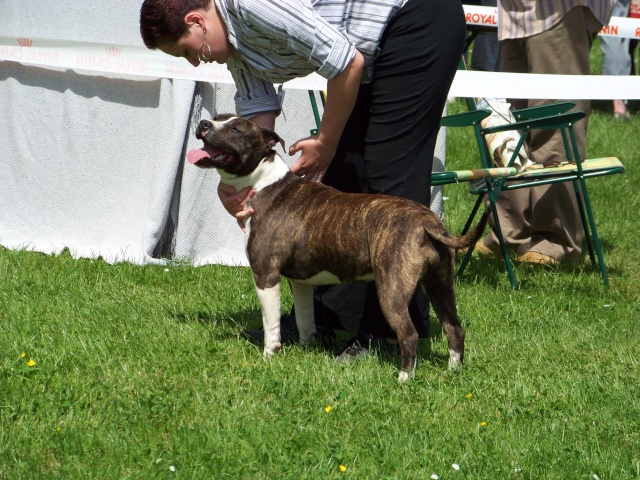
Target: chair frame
x=554 y=116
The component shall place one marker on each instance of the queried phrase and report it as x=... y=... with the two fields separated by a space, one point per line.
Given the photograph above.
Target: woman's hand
x=235 y=202
x=319 y=150
x=315 y=159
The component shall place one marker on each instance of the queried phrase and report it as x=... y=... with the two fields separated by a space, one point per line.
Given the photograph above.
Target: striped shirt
x=276 y=40
x=525 y=18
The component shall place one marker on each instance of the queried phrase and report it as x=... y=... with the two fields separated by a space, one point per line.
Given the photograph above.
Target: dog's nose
x=203 y=127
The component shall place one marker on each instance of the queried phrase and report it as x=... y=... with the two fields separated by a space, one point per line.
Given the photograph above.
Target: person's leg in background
x=486 y=47
x=632 y=104
x=513 y=206
x=549 y=213
x=557 y=228
x=616 y=59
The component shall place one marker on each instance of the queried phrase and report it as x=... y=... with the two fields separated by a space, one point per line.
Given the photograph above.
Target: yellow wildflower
x=31 y=363
x=483 y=424
x=327 y=408
x=22 y=355
x=469 y=395
x=342 y=468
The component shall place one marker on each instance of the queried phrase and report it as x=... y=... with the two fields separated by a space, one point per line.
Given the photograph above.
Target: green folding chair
x=576 y=170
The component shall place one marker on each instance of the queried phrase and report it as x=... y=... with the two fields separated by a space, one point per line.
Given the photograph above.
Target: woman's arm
x=265 y=120
x=318 y=150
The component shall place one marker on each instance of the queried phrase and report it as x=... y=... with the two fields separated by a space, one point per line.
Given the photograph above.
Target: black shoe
x=363 y=346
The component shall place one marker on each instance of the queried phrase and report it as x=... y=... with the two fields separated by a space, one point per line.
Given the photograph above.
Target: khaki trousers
x=546 y=218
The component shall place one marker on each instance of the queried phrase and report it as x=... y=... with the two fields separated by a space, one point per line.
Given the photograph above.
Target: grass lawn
x=122 y=371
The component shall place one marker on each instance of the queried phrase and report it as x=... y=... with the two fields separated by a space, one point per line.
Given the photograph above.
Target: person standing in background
x=485 y=56
x=616 y=59
x=634 y=12
x=542 y=224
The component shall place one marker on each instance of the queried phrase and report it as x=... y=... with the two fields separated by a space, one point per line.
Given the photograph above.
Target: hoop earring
x=205 y=56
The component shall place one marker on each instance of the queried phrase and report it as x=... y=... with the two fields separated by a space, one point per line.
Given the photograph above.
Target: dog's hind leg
x=394 y=302
x=303 y=304
x=269 y=298
x=440 y=288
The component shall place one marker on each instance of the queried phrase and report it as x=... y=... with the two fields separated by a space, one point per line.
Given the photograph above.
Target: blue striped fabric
x=277 y=40
x=524 y=18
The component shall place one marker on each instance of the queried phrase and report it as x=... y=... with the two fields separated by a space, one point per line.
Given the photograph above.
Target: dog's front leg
x=269 y=298
x=303 y=304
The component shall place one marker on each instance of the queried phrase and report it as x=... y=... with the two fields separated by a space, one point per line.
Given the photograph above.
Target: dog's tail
x=462 y=241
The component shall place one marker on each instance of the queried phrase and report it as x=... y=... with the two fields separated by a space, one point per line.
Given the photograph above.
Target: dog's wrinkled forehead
x=224 y=117
x=229 y=120
x=245 y=131
x=235 y=129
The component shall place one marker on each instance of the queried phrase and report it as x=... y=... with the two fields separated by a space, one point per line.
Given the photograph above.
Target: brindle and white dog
x=312 y=234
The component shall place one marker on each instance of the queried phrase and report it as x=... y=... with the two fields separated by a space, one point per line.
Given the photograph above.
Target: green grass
x=139 y=369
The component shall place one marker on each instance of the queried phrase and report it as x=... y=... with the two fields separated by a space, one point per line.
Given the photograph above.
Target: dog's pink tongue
x=197 y=154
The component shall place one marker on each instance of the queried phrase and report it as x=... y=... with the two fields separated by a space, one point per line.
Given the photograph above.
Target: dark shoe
x=363 y=346
x=480 y=249
x=537 y=258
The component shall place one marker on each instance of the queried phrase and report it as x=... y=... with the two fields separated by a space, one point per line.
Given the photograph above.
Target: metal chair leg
x=583 y=219
x=503 y=246
x=594 y=233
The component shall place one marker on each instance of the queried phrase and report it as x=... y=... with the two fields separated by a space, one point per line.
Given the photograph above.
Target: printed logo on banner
x=113 y=51
x=610 y=30
x=114 y=61
x=26 y=52
x=477 y=18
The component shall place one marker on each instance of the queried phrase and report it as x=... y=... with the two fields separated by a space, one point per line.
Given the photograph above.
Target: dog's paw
x=307 y=339
x=455 y=360
x=271 y=349
x=405 y=375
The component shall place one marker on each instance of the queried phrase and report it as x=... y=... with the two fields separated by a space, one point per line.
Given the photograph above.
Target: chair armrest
x=457 y=176
x=465 y=119
x=543 y=110
x=547 y=123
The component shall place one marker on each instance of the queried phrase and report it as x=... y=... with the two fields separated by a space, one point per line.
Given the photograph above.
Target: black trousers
x=388 y=143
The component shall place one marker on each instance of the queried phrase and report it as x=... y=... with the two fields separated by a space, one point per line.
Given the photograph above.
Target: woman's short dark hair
x=163 y=20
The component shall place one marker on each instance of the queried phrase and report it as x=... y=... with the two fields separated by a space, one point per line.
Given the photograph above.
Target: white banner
x=140 y=61
x=623 y=27
x=554 y=87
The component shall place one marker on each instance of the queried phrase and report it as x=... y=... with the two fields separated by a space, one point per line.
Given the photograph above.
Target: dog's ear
x=272 y=137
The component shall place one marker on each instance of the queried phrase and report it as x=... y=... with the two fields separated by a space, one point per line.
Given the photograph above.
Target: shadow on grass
x=239 y=319
x=488 y=271
x=493 y=272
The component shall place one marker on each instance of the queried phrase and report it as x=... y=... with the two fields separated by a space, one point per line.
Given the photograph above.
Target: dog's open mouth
x=208 y=156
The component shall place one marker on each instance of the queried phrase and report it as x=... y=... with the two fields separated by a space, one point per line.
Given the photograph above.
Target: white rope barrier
x=140 y=61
